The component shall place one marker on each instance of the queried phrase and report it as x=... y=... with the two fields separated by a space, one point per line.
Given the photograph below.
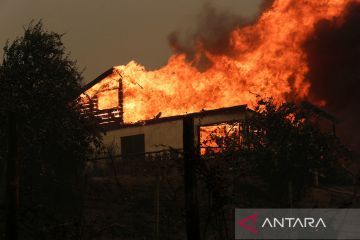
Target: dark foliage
x=273 y=158
x=289 y=145
x=39 y=84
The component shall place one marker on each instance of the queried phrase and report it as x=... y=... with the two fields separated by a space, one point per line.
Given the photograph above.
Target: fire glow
x=266 y=59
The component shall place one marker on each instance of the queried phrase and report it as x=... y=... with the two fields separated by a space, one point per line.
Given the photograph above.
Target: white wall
x=162 y=133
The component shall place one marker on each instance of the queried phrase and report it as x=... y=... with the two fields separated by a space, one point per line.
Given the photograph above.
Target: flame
x=108 y=99
x=266 y=59
x=216 y=138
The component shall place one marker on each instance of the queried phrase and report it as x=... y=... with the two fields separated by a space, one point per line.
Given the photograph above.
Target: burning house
x=267 y=58
x=104 y=98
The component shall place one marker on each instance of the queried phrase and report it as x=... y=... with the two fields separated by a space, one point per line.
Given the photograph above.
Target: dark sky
x=101 y=34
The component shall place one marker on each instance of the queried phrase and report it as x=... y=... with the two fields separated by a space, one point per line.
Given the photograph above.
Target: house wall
x=162 y=135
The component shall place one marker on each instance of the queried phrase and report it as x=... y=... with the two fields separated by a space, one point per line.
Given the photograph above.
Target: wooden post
x=121 y=100
x=191 y=200
x=157 y=206
x=11 y=230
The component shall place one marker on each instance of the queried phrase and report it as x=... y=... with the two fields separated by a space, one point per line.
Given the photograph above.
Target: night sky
x=101 y=34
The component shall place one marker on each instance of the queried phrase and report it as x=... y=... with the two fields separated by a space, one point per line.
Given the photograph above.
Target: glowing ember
x=266 y=59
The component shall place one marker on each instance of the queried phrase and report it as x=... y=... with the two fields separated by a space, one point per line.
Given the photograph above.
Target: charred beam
x=191 y=199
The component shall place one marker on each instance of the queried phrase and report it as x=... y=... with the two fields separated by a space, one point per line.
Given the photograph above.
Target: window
x=218 y=137
x=133 y=146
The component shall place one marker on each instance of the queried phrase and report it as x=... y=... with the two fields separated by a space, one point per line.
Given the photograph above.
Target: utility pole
x=11 y=231
x=191 y=200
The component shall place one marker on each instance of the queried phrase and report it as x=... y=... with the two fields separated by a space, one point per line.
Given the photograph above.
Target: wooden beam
x=191 y=199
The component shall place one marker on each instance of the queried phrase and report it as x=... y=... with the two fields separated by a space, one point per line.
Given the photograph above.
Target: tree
x=39 y=85
x=271 y=159
x=290 y=144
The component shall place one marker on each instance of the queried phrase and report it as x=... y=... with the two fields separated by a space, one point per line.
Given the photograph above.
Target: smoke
x=266 y=4
x=212 y=32
x=334 y=59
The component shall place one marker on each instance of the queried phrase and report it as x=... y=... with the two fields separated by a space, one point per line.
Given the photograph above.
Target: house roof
x=234 y=109
x=97 y=80
x=320 y=112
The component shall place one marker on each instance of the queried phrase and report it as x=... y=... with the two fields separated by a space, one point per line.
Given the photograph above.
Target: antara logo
x=294 y=222
x=249 y=223
x=250 y=227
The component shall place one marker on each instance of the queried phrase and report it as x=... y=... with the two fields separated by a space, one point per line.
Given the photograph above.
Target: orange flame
x=266 y=59
x=216 y=138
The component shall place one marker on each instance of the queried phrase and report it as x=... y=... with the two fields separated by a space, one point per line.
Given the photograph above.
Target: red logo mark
x=252 y=226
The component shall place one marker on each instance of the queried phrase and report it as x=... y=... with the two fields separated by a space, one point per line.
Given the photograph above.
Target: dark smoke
x=213 y=30
x=334 y=59
x=266 y=4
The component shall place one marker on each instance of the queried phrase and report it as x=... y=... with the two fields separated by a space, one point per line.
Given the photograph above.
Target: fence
x=143 y=197
x=135 y=197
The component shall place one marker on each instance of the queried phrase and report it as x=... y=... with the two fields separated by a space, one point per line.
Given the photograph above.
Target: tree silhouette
x=273 y=157
x=38 y=86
